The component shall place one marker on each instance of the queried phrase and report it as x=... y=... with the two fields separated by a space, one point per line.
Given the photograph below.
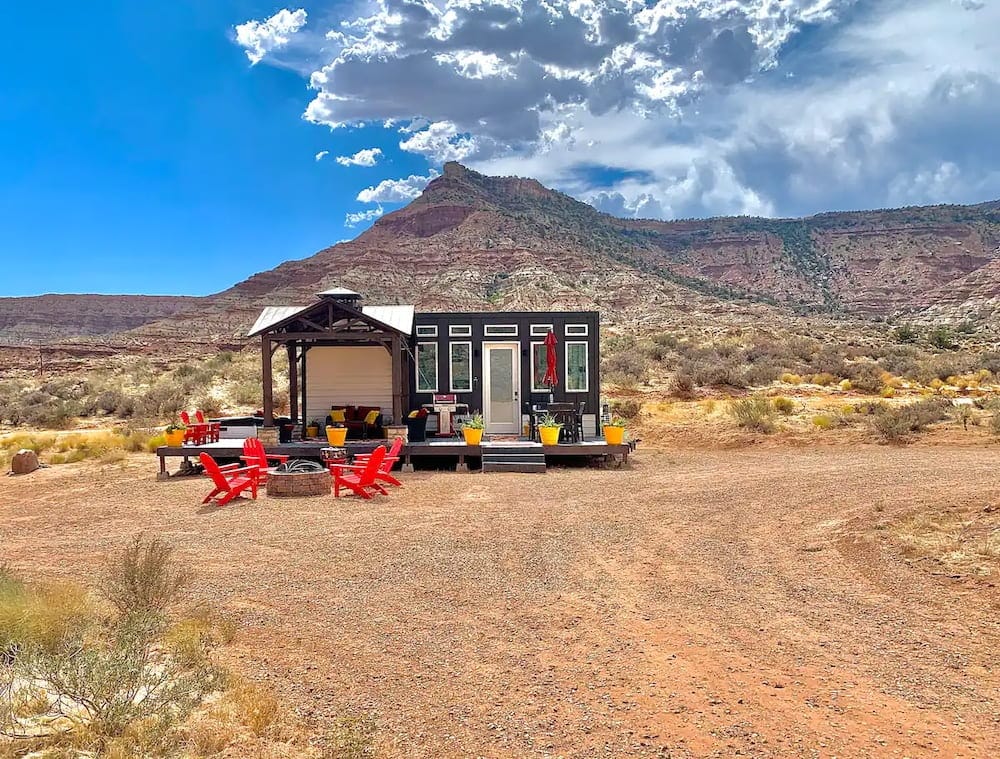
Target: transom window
x=540 y=330
x=427 y=367
x=427 y=330
x=459 y=330
x=577 y=330
x=460 y=355
x=577 y=373
x=500 y=330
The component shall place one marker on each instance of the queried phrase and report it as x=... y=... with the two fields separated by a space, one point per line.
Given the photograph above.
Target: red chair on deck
x=359 y=478
x=195 y=434
x=384 y=473
x=255 y=455
x=214 y=428
x=230 y=480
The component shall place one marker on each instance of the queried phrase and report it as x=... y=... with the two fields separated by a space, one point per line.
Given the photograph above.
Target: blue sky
x=180 y=147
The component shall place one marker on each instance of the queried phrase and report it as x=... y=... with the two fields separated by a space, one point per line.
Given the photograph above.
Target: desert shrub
x=990 y=360
x=627 y=408
x=753 y=413
x=783 y=405
x=865 y=376
x=823 y=421
x=941 y=337
x=823 y=379
x=248 y=393
x=791 y=379
x=995 y=424
x=894 y=424
x=626 y=368
x=905 y=333
x=682 y=385
x=155 y=442
x=963 y=415
x=144 y=578
x=665 y=340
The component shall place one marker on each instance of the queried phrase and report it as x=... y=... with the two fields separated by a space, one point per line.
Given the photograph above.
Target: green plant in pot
x=174 y=433
x=312 y=429
x=614 y=431
x=473 y=428
x=548 y=429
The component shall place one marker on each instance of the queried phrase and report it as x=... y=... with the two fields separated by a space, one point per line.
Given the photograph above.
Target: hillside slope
x=476 y=242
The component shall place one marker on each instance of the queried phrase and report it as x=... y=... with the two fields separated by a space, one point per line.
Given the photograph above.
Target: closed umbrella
x=551 y=372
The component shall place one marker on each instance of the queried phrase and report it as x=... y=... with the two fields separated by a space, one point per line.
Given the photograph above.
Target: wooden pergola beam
x=268 y=379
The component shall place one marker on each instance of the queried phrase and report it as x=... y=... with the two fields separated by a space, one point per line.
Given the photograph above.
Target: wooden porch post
x=265 y=347
x=305 y=403
x=293 y=381
x=397 y=381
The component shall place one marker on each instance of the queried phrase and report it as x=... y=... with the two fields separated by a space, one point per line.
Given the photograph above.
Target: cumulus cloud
x=700 y=107
x=366 y=157
x=259 y=38
x=353 y=219
x=322 y=154
x=396 y=190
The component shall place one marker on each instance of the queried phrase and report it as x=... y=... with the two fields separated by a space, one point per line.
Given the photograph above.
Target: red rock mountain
x=476 y=242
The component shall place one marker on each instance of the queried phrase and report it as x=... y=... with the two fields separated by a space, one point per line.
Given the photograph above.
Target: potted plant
x=174 y=433
x=472 y=429
x=336 y=434
x=614 y=431
x=312 y=429
x=548 y=429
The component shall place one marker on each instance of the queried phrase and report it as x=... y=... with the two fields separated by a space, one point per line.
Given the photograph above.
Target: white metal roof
x=272 y=315
x=342 y=292
x=398 y=317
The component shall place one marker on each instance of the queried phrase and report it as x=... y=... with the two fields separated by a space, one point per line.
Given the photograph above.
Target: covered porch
x=339 y=354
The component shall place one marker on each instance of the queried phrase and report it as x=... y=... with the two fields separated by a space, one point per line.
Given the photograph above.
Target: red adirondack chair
x=230 y=480
x=254 y=455
x=384 y=473
x=214 y=428
x=196 y=434
x=359 y=478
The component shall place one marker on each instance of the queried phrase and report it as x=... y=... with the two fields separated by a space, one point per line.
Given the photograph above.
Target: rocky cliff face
x=479 y=243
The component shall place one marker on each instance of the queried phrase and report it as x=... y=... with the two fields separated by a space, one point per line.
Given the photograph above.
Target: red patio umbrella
x=551 y=372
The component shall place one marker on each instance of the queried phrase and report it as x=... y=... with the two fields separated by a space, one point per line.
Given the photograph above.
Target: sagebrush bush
x=894 y=424
x=995 y=424
x=627 y=408
x=783 y=405
x=144 y=578
x=682 y=386
x=753 y=413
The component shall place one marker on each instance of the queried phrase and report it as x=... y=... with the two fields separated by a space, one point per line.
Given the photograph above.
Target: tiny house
x=393 y=358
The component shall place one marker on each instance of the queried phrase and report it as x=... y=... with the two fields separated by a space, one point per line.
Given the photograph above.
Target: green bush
x=941 y=337
x=753 y=413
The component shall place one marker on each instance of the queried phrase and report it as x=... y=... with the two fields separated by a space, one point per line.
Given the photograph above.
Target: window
x=427 y=330
x=500 y=330
x=427 y=367
x=577 y=330
x=538 y=367
x=540 y=330
x=577 y=380
x=460 y=330
x=461 y=367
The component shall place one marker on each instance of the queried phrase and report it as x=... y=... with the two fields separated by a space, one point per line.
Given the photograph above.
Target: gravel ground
x=701 y=603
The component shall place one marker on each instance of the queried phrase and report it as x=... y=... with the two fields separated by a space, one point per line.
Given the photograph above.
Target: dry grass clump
x=784 y=406
x=753 y=413
x=962 y=538
x=627 y=408
x=109 y=446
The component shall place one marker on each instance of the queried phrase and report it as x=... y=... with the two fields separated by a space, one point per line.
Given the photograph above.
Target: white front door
x=502 y=387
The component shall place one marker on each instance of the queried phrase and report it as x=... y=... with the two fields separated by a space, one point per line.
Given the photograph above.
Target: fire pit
x=297 y=479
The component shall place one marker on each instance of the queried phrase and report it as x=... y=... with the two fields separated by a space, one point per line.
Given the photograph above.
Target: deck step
x=513 y=458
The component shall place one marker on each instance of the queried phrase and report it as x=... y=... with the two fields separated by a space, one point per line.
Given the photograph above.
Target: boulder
x=24 y=462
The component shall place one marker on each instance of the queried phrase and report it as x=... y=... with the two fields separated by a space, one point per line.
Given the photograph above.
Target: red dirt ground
x=703 y=603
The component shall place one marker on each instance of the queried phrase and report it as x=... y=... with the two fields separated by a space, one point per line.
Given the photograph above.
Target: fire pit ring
x=298 y=479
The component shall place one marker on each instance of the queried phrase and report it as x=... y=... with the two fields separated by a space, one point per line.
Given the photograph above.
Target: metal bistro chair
x=567 y=414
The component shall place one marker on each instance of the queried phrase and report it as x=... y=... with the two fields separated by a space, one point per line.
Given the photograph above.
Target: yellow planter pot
x=472 y=437
x=174 y=438
x=614 y=435
x=312 y=431
x=549 y=435
x=336 y=436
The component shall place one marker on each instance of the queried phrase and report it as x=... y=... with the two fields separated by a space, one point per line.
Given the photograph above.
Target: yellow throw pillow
x=371 y=417
x=338 y=415
x=413 y=415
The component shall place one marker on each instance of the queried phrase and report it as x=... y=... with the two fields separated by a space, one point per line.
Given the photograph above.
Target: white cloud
x=259 y=38
x=353 y=219
x=366 y=157
x=396 y=190
x=322 y=154
x=679 y=108
x=440 y=142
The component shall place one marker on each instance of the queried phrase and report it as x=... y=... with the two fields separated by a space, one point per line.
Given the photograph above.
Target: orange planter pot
x=472 y=437
x=614 y=435
x=549 y=435
x=336 y=436
x=174 y=439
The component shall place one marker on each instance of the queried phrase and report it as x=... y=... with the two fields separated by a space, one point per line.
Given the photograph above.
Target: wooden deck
x=447 y=448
